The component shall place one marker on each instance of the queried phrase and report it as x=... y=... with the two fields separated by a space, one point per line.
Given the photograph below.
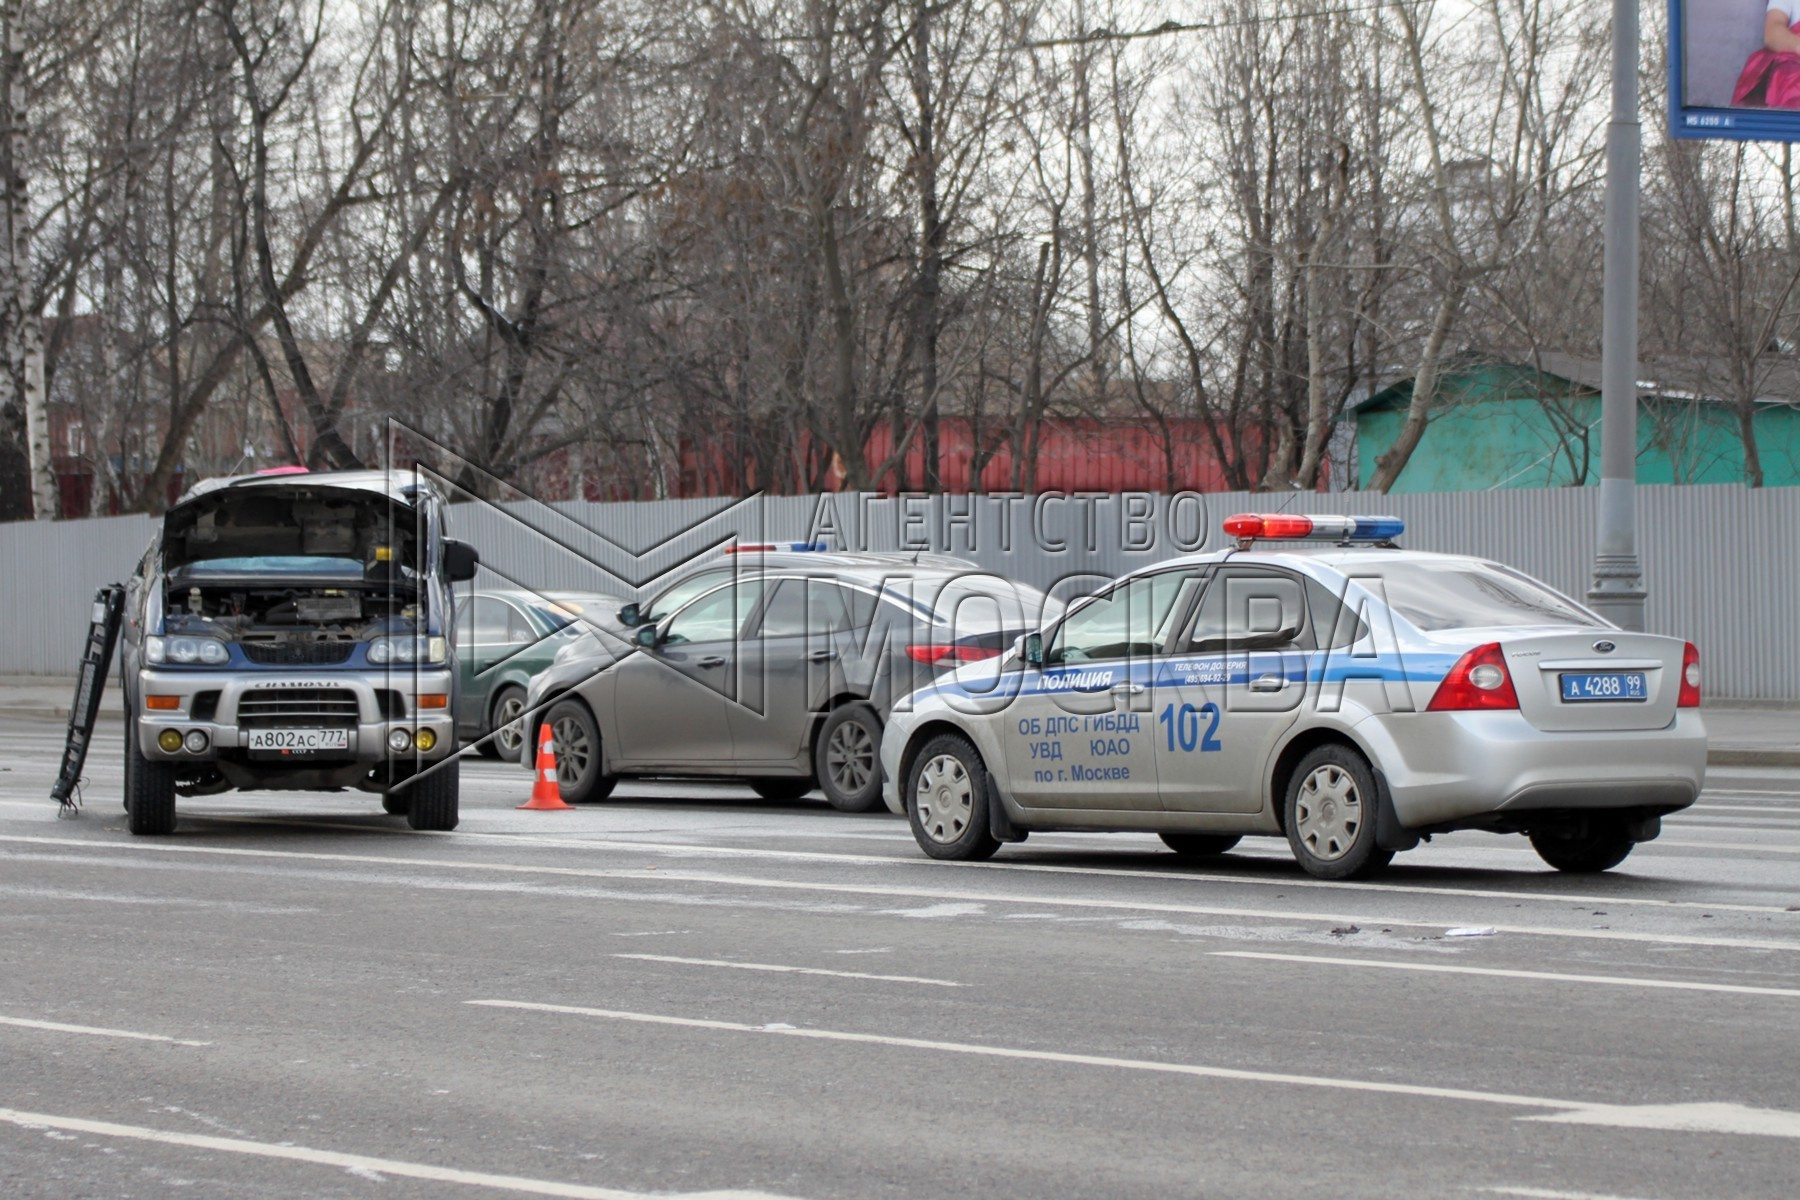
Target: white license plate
x=303 y=740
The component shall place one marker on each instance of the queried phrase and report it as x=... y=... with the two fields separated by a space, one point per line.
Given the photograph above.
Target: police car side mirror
x=631 y=616
x=647 y=637
x=1031 y=649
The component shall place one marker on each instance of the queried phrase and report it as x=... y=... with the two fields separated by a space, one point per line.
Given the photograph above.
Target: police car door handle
x=712 y=660
x=1128 y=689
x=1267 y=683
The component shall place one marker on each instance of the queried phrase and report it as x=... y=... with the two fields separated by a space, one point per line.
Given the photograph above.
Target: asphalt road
x=687 y=990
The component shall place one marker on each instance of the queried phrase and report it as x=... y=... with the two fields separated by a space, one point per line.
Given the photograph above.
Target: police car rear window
x=1462 y=595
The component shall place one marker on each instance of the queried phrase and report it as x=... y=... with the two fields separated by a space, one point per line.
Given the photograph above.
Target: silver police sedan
x=774 y=667
x=1354 y=698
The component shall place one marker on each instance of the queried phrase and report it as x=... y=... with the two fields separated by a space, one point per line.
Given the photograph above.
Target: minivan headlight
x=185 y=651
x=408 y=650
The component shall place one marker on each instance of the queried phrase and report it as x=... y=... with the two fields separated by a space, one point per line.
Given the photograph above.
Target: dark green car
x=503 y=638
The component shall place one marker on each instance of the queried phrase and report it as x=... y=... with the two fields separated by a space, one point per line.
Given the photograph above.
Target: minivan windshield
x=270 y=564
x=1459 y=594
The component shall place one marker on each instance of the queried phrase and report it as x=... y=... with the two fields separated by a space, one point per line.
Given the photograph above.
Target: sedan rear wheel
x=946 y=800
x=848 y=758
x=1600 y=846
x=1331 y=815
x=575 y=740
x=506 y=726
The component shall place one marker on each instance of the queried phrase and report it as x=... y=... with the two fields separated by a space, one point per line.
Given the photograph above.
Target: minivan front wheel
x=149 y=787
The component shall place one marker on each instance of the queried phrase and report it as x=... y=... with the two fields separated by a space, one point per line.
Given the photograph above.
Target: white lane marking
x=96 y=1031
x=1709 y=1117
x=1152 y=859
x=744 y=966
x=1738 y=846
x=351 y=1162
x=1718 y=1118
x=1533 y=1193
x=1787 y=795
x=927 y=893
x=1500 y=973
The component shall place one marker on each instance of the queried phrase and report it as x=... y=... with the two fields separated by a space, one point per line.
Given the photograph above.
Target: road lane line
x=96 y=1031
x=935 y=894
x=1152 y=859
x=1717 y=1118
x=1501 y=973
x=744 y=966
x=352 y=1162
x=1737 y=846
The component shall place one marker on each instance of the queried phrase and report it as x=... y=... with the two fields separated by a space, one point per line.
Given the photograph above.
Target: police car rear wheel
x=1330 y=815
x=947 y=800
x=1601 y=846
x=1199 y=845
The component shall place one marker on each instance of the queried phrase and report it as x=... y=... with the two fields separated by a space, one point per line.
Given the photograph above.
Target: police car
x=1353 y=697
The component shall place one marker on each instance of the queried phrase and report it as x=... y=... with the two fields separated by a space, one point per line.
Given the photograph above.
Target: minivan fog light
x=398 y=740
x=169 y=740
x=425 y=739
x=195 y=741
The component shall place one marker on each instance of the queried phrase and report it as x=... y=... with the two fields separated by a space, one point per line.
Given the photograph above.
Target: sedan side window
x=1132 y=621
x=804 y=606
x=716 y=616
x=683 y=591
x=1249 y=610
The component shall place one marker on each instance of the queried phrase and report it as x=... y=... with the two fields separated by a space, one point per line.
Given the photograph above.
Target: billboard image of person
x=1734 y=69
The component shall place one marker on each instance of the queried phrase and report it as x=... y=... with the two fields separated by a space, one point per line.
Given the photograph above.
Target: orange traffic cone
x=545 y=795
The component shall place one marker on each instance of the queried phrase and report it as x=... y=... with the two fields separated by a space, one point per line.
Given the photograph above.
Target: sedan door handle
x=1267 y=683
x=712 y=660
x=821 y=656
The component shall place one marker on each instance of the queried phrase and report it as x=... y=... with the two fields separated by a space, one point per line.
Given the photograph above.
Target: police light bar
x=1248 y=527
x=776 y=547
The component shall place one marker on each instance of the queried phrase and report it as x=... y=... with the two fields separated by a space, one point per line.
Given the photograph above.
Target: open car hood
x=288 y=516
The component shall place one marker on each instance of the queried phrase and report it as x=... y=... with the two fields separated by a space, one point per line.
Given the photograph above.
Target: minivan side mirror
x=460 y=560
x=631 y=616
x=647 y=637
x=1031 y=649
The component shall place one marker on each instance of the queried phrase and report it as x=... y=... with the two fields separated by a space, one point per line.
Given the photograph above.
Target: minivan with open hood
x=292 y=630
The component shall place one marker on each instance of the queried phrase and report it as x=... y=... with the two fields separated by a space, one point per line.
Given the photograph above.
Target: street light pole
x=1618 y=591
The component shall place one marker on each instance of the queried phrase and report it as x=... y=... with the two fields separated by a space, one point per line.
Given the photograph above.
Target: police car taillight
x=1689 y=696
x=1478 y=681
x=1249 y=527
x=776 y=547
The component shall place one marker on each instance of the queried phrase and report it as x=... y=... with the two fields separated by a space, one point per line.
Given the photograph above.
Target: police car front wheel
x=946 y=800
x=1330 y=815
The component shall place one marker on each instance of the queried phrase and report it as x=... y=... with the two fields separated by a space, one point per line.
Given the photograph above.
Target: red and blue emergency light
x=776 y=547
x=1249 y=527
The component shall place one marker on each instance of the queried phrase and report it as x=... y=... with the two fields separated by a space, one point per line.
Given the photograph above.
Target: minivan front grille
x=299 y=706
x=297 y=653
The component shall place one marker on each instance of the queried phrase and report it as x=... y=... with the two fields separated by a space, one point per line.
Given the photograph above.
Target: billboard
x=1734 y=69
